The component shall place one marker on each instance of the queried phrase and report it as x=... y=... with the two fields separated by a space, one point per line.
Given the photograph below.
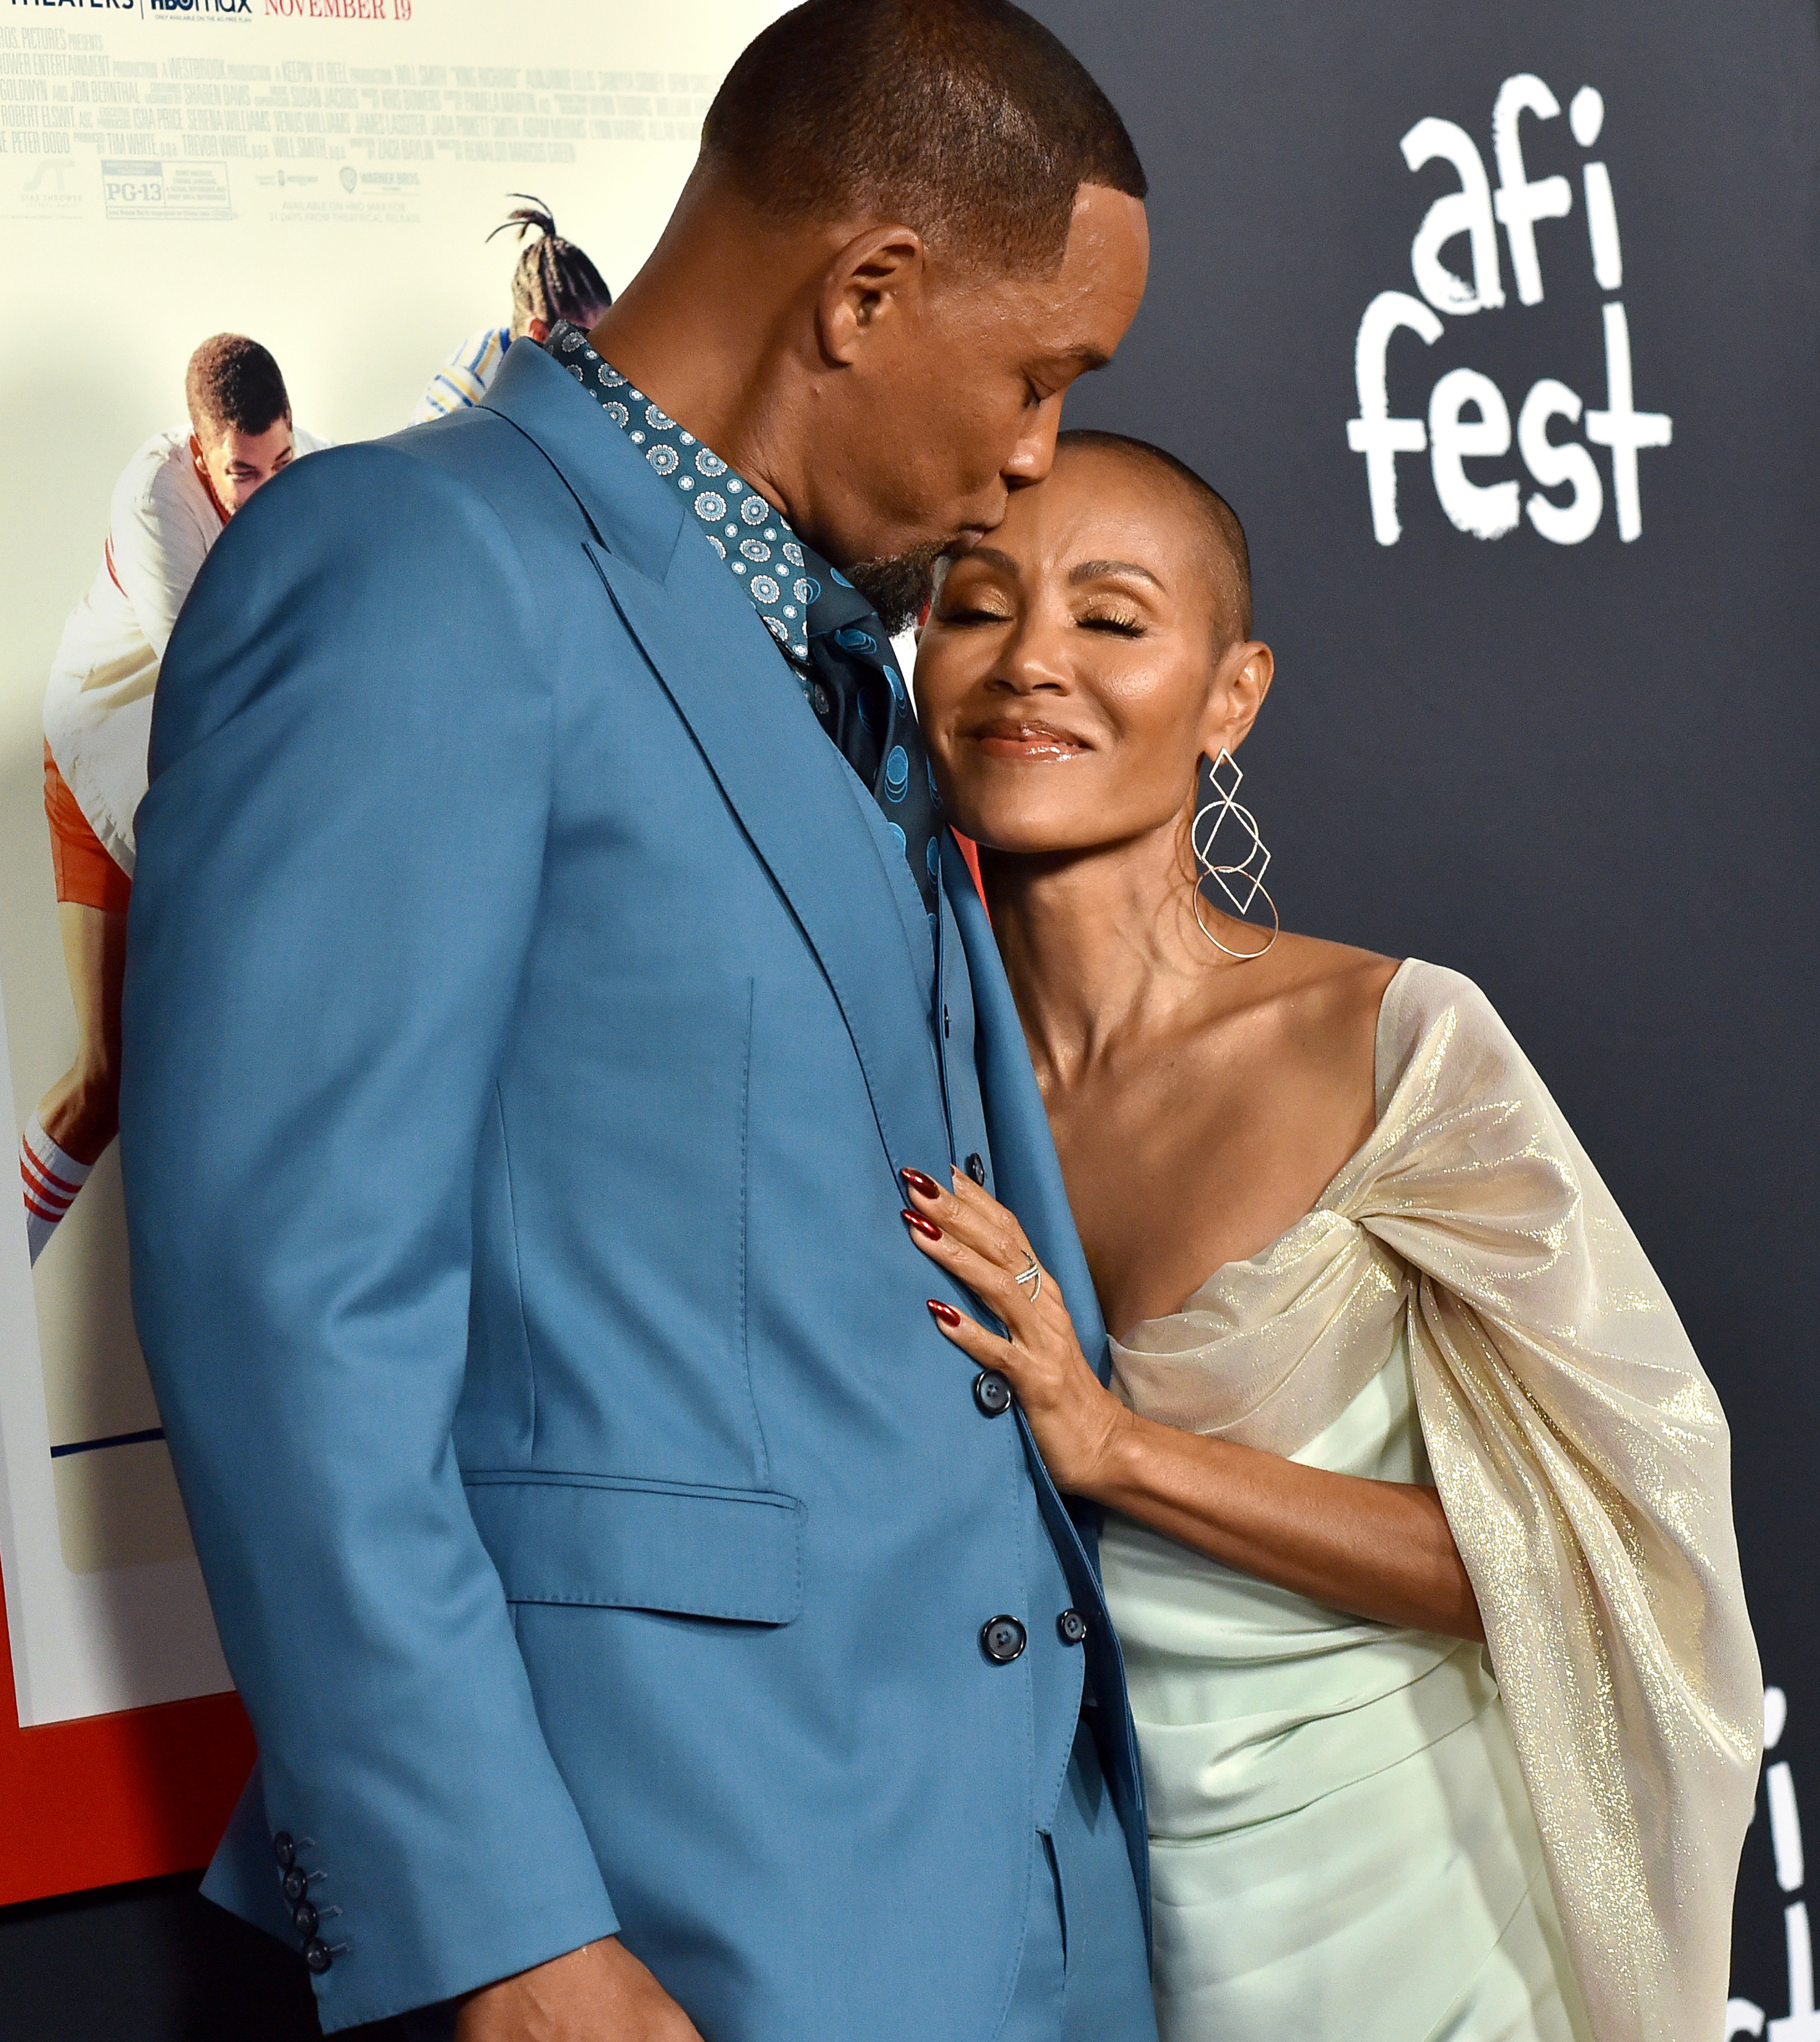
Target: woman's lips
x=1027 y=740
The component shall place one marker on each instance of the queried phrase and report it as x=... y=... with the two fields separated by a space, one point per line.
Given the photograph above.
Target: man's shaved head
x=964 y=119
x=1228 y=557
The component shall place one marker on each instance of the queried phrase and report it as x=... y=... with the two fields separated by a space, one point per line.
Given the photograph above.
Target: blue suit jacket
x=524 y=1028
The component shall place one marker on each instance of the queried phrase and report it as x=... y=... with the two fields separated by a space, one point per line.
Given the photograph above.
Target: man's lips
x=1020 y=738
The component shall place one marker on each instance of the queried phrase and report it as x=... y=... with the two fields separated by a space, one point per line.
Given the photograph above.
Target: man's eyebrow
x=1082 y=359
x=1096 y=570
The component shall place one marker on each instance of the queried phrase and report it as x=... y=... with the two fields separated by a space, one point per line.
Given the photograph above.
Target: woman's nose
x=1032 y=661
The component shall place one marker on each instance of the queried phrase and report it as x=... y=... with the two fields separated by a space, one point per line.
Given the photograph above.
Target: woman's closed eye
x=974 y=613
x=1123 y=624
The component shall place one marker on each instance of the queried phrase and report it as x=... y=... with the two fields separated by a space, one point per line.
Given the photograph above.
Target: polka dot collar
x=747 y=533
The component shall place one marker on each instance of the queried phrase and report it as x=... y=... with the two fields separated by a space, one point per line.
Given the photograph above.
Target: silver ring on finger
x=1032 y=1276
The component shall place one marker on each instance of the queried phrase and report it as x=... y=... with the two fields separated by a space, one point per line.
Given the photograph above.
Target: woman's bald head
x=1083 y=659
x=1221 y=537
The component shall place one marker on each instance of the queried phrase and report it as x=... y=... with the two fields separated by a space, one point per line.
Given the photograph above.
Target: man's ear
x=1241 y=681
x=875 y=275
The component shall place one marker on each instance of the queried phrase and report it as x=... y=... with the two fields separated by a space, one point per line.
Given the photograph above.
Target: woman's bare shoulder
x=1317 y=961
x=1304 y=1017
x=1332 y=989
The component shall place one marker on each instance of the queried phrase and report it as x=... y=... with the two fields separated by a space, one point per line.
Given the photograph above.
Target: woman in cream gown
x=1419 y=1544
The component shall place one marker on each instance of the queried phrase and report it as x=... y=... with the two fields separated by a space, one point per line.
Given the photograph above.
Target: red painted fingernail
x=946 y=1314
x=927 y=1227
x=924 y=1186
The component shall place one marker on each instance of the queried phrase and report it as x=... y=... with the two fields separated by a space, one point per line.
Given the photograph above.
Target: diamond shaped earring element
x=1242 y=881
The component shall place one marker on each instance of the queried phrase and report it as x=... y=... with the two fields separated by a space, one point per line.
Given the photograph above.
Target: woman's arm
x=1379 y=1550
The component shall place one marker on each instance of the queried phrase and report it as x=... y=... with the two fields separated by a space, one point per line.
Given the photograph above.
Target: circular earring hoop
x=1249 y=871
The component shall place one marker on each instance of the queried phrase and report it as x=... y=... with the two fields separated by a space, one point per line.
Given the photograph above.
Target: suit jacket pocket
x=618 y=1543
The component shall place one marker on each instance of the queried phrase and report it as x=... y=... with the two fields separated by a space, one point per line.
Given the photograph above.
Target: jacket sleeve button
x=1071 y=1626
x=976 y=1167
x=296 y=1885
x=285 y=1850
x=304 y=1918
x=317 y=1955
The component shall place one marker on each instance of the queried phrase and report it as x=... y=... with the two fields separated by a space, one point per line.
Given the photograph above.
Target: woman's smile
x=1019 y=737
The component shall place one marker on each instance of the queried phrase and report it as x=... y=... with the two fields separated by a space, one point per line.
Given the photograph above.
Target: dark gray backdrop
x=1583 y=774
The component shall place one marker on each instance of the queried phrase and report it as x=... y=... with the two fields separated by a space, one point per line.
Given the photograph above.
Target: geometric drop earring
x=1247 y=872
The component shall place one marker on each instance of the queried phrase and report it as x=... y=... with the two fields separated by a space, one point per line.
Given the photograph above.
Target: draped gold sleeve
x=1580 y=1455
x=1584 y=1466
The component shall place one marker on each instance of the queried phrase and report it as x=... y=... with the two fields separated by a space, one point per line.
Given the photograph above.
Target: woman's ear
x=1240 y=683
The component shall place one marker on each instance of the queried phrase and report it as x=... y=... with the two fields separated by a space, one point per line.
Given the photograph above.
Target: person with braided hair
x=552 y=279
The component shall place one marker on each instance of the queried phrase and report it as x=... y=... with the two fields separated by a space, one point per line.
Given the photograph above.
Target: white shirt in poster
x=97 y=708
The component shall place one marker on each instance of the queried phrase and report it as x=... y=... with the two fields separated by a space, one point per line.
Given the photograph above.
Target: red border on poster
x=108 y=1799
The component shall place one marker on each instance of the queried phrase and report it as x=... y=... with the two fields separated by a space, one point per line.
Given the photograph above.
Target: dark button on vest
x=991 y=1393
x=1002 y=1638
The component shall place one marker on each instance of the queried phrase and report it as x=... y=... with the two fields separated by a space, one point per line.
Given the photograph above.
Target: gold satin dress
x=1376 y=1835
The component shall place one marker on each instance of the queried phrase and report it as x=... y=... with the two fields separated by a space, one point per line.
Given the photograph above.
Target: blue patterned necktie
x=861 y=701
x=826 y=630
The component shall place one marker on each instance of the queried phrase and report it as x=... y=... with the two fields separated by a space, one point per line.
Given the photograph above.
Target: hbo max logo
x=1468 y=418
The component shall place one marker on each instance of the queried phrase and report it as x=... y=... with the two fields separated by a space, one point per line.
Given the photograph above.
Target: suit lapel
x=628 y=507
x=1027 y=1176
x=784 y=781
x=779 y=773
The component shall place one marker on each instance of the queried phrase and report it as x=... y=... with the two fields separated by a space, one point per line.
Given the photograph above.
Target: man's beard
x=897 y=588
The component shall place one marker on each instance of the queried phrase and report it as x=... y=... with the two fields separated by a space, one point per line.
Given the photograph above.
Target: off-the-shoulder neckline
x=1386 y=1020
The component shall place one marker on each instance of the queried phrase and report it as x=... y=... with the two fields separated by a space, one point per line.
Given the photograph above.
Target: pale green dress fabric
x=1356 y=1836
x=1341 y=1844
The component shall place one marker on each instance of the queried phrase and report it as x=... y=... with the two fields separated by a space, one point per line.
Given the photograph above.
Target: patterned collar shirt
x=837 y=647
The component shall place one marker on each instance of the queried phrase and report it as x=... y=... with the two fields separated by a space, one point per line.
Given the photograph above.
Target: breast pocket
x=627 y=1132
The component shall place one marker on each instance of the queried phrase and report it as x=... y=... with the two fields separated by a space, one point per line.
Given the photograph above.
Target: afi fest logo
x=1743 y=2017
x=1468 y=418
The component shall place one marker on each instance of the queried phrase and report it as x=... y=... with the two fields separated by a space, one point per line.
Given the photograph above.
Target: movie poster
x=320 y=175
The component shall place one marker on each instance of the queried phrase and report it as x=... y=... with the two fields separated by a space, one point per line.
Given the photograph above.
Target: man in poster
x=542 y=976
x=171 y=504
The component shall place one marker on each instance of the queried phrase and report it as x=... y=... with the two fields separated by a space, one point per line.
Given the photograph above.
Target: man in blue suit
x=546 y=960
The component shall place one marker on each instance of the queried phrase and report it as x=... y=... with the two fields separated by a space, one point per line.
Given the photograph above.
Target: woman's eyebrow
x=1098 y=570
x=991 y=553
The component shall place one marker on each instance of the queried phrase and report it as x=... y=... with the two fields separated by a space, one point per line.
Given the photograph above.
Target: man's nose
x=1034 y=456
